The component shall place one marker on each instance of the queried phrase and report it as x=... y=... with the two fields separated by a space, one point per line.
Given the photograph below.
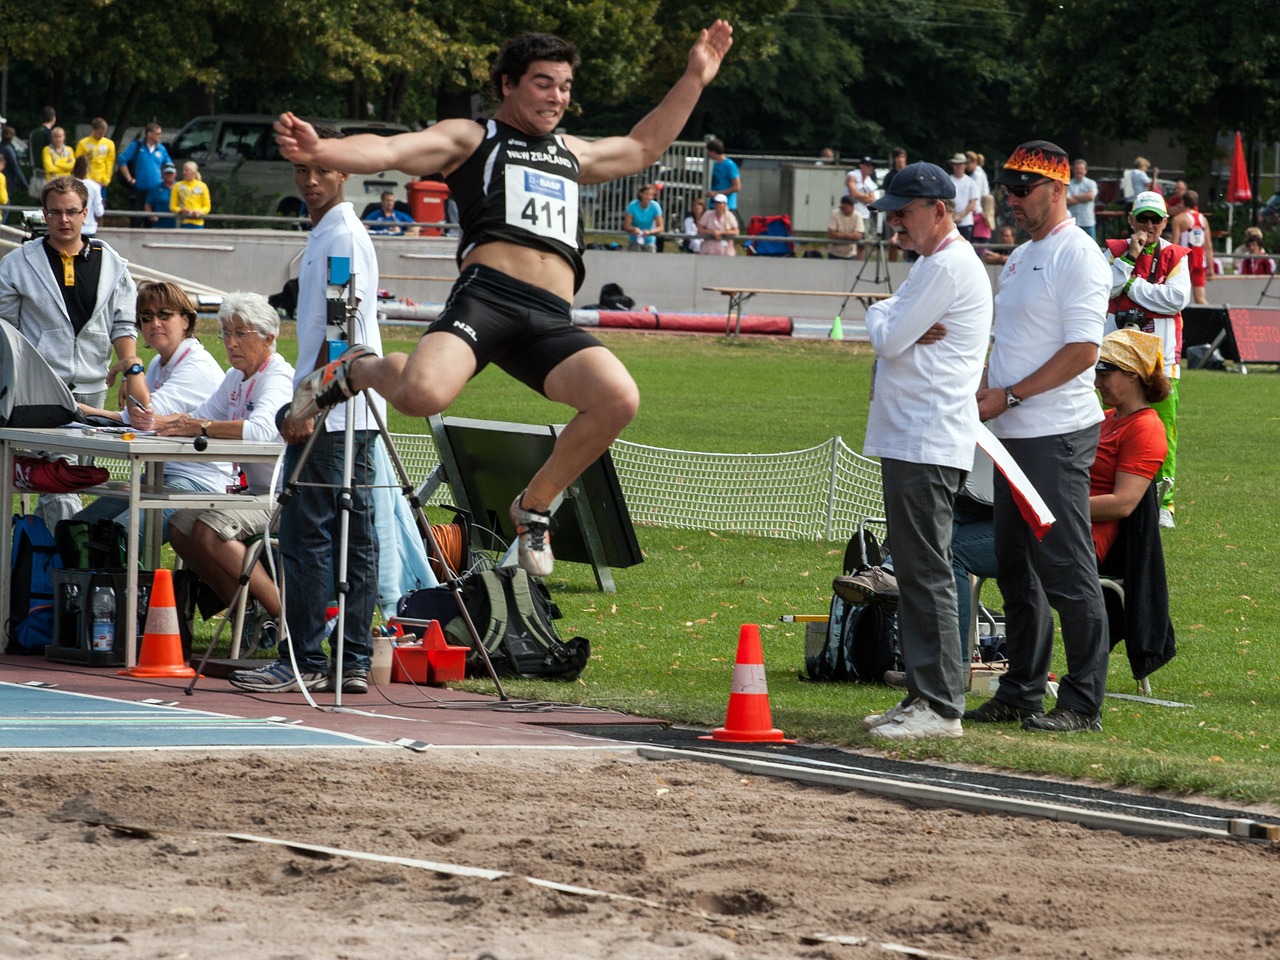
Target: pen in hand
x=144 y=419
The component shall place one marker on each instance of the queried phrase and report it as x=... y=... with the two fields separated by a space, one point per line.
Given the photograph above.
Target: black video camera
x=34 y=224
x=1133 y=318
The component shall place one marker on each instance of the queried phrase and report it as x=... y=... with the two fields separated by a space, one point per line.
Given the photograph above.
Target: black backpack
x=512 y=612
x=92 y=544
x=861 y=643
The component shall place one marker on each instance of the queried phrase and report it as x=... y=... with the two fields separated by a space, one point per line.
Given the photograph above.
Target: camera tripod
x=452 y=577
x=881 y=271
x=341 y=307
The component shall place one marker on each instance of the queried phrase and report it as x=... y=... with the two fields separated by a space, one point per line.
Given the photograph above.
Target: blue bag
x=35 y=557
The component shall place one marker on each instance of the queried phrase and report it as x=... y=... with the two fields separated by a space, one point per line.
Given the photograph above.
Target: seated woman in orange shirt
x=1131 y=442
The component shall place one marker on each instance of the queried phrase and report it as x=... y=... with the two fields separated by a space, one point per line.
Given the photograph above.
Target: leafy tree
x=1098 y=70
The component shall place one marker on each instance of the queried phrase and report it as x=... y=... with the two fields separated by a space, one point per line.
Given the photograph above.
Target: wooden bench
x=740 y=295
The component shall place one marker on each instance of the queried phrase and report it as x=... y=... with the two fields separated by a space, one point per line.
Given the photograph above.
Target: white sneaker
x=1166 y=518
x=869 y=723
x=533 y=534
x=915 y=721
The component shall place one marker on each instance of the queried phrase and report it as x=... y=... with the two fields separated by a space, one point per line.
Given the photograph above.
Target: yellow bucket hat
x=1133 y=351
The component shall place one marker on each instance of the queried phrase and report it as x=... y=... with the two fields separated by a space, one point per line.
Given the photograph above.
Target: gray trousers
x=1058 y=572
x=918 y=502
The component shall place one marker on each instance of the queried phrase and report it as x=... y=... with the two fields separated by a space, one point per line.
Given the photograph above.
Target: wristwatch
x=204 y=427
x=1010 y=400
x=134 y=370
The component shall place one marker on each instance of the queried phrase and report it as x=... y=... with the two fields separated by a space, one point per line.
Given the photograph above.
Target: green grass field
x=664 y=644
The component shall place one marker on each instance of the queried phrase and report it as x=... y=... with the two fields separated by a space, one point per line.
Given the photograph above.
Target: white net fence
x=821 y=493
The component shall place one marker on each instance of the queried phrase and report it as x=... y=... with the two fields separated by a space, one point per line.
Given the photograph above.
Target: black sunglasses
x=1025 y=191
x=1104 y=367
x=1148 y=218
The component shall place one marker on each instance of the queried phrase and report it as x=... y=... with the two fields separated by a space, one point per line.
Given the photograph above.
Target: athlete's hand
x=707 y=53
x=296 y=137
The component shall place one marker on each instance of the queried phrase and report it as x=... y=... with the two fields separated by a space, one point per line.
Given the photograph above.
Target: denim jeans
x=310 y=530
x=973 y=550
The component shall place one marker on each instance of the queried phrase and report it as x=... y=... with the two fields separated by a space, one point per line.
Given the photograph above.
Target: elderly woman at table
x=243 y=407
x=179 y=376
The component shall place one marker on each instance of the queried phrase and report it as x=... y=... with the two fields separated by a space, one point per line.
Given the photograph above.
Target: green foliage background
x=859 y=75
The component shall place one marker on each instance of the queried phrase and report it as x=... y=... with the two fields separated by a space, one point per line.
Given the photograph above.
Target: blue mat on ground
x=39 y=718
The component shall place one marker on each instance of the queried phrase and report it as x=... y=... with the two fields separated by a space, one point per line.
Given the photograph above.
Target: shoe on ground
x=895 y=678
x=997 y=711
x=533 y=537
x=275 y=677
x=873 y=721
x=872 y=585
x=328 y=386
x=916 y=721
x=1166 y=519
x=354 y=681
x=1062 y=720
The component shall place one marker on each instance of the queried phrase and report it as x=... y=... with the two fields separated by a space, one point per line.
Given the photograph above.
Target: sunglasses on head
x=1104 y=367
x=1148 y=217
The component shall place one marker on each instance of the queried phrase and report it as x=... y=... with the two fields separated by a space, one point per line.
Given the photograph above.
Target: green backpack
x=513 y=613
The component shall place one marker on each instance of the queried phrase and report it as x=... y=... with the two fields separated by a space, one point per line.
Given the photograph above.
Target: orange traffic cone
x=161 y=653
x=748 y=719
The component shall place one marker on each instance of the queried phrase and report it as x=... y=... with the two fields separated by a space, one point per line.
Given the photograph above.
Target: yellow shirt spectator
x=4 y=191
x=58 y=162
x=190 y=197
x=101 y=152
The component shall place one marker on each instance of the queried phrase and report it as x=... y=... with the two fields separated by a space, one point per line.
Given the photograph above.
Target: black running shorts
x=523 y=329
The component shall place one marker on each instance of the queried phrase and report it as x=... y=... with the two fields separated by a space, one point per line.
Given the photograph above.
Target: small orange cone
x=748 y=719
x=161 y=653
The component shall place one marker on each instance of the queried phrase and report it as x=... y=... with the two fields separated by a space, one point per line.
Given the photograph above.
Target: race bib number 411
x=542 y=203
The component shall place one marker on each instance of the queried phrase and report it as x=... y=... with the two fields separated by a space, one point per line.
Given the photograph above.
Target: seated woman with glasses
x=242 y=407
x=179 y=376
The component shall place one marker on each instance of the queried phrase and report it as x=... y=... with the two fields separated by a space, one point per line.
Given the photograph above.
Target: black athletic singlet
x=520 y=189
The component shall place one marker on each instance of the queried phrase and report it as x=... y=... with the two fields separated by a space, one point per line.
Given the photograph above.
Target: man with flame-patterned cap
x=1037 y=396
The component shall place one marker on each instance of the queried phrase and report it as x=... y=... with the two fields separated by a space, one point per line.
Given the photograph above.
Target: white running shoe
x=916 y=721
x=869 y=723
x=1166 y=519
x=533 y=534
x=328 y=386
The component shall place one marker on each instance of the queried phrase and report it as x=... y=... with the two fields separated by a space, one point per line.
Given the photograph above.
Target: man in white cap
x=930 y=339
x=1038 y=398
x=1150 y=287
x=968 y=195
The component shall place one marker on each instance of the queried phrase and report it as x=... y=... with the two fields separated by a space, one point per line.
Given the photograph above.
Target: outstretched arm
x=613 y=157
x=437 y=149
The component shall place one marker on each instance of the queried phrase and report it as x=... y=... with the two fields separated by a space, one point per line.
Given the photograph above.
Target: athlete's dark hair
x=518 y=52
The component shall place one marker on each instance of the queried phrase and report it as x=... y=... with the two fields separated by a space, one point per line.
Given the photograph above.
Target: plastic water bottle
x=104 y=618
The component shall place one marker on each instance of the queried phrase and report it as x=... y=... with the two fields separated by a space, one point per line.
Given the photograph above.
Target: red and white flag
x=1030 y=504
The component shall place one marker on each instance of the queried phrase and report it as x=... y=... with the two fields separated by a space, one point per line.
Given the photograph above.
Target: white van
x=242 y=147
